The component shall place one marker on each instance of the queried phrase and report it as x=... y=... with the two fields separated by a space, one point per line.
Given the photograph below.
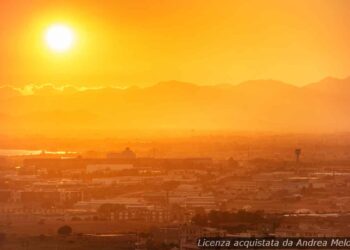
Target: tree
x=200 y=220
x=64 y=231
x=2 y=238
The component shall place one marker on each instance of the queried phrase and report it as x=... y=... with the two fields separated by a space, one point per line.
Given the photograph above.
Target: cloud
x=8 y=91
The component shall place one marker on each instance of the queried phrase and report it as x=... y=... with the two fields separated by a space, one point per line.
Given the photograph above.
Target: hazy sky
x=143 y=42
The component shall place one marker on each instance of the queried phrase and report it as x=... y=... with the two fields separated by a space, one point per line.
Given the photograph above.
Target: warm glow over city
x=174 y=124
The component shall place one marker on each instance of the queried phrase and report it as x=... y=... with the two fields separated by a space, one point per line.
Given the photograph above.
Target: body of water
x=23 y=152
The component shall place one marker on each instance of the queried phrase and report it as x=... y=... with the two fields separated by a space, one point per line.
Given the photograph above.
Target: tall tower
x=297 y=154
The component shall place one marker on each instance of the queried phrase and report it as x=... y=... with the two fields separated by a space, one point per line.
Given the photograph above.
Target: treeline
x=239 y=221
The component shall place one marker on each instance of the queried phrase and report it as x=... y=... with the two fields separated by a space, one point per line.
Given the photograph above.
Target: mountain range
x=257 y=105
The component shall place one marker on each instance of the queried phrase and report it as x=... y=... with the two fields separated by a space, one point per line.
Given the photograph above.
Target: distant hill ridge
x=256 y=105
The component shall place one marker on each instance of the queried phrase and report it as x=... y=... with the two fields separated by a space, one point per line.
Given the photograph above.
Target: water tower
x=297 y=154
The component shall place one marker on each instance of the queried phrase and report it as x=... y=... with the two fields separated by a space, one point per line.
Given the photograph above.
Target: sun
x=59 y=38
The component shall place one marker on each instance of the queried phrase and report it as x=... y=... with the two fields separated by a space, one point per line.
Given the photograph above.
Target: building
x=127 y=153
x=108 y=167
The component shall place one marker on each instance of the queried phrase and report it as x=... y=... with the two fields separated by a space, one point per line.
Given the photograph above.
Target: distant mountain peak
x=257 y=105
x=264 y=83
x=331 y=85
x=174 y=84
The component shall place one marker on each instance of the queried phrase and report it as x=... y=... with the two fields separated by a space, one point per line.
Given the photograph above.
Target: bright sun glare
x=59 y=37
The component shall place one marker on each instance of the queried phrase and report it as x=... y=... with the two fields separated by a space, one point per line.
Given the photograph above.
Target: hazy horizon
x=28 y=89
x=83 y=69
x=251 y=106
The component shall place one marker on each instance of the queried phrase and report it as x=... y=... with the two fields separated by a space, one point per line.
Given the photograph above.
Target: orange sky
x=125 y=43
